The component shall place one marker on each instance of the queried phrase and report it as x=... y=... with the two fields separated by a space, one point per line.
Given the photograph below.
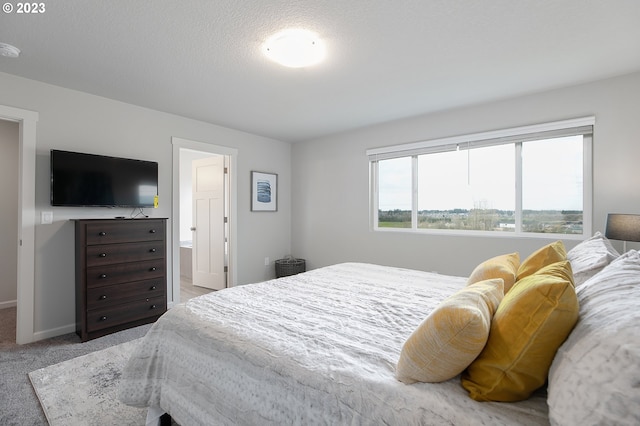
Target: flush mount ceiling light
x=9 y=51
x=294 y=48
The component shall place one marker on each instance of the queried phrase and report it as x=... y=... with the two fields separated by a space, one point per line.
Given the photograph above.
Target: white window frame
x=578 y=126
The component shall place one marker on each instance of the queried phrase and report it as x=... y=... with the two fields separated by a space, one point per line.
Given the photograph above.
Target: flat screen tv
x=88 y=180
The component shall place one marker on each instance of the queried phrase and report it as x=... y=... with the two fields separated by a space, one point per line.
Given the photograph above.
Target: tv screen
x=84 y=180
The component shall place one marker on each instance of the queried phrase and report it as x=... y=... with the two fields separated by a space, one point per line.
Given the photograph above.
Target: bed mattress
x=314 y=348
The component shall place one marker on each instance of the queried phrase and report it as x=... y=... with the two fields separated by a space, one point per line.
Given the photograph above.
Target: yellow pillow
x=561 y=269
x=504 y=266
x=531 y=323
x=551 y=253
x=451 y=336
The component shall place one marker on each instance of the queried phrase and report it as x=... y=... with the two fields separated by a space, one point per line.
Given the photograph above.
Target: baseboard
x=59 y=331
x=8 y=304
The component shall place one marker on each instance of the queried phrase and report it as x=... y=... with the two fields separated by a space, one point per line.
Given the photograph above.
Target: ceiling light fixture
x=295 y=48
x=9 y=51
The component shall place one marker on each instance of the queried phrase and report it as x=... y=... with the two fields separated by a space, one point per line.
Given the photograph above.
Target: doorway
x=208 y=225
x=204 y=195
x=9 y=144
x=27 y=122
x=185 y=153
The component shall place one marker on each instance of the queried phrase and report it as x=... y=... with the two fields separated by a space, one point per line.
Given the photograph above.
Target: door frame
x=27 y=122
x=186 y=144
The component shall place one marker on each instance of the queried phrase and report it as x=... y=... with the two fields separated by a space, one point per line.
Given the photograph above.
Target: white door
x=208 y=223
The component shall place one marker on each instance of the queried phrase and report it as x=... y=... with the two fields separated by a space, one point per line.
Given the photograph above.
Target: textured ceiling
x=387 y=59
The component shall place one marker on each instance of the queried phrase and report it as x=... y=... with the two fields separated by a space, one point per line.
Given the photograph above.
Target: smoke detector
x=9 y=51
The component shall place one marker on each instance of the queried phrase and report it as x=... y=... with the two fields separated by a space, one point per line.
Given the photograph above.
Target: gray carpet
x=19 y=404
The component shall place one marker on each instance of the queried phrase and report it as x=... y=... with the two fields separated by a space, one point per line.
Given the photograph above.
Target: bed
x=323 y=347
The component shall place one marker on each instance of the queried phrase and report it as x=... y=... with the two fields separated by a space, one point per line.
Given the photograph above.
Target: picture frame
x=264 y=192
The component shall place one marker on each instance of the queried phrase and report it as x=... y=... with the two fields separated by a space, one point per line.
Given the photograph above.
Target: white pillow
x=595 y=375
x=590 y=257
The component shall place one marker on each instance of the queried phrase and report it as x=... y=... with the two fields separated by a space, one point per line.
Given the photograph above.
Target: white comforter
x=314 y=348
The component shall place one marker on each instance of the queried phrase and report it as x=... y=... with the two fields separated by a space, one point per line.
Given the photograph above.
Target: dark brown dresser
x=121 y=274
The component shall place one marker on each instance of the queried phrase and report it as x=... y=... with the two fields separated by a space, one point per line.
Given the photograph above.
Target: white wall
x=78 y=121
x=331 y=178
x=9 y=133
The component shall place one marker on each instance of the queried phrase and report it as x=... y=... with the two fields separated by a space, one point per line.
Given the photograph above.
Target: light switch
x=46 y=218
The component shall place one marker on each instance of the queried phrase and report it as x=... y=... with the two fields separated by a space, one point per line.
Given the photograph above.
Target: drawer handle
x=103 y=275
x=153 y=268
x=103 y=318
x=102 y=233
x=153 y=306
x=152 y=231
x=103 y=255
x=103 y=297
x=153 y=287
x=152 y=250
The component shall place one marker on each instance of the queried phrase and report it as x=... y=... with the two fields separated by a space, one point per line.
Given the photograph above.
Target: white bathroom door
x=208 y=223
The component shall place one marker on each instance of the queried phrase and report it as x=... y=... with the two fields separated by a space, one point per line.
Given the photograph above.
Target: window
x=395 y=193
x=533 y=180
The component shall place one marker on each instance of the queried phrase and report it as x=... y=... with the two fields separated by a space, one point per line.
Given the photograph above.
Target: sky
x=485 y=177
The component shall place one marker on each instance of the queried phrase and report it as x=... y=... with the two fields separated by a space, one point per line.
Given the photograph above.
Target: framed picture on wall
x=264 y=192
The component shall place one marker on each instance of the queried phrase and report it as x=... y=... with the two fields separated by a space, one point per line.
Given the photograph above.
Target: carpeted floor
x=18 y=402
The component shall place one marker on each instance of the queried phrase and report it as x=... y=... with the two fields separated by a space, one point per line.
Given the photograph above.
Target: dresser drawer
x=122 y=231
x=99 y=276
x=98 y=319
x=106 y=254
x=104 y=297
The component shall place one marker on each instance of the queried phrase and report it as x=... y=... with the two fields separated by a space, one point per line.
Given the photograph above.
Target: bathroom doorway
x=186 y=154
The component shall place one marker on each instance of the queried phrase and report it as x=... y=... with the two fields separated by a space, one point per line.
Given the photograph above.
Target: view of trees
x=542 y=221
